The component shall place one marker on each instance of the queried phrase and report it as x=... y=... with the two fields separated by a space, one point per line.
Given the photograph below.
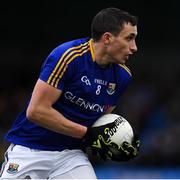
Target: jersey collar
x=91 y=49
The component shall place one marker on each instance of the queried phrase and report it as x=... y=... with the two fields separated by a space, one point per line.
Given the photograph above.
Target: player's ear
x=107 y=38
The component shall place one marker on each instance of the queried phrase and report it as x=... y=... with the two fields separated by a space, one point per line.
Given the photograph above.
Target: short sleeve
x=124 y=80
x=55 y=71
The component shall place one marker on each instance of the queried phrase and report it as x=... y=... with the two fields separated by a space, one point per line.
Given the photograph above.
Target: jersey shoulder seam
x=126 y=69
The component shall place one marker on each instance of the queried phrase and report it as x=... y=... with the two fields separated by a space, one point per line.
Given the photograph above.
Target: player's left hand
x=126 y=151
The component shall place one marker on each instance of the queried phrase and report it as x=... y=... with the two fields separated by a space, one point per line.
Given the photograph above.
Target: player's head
x=116 y=31
x=110 y=20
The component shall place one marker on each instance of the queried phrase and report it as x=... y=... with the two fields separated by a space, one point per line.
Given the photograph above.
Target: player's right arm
x=58 y=69
x=41 y=112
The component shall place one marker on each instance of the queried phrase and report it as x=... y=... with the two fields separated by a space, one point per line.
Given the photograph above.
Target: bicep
x=44 y=94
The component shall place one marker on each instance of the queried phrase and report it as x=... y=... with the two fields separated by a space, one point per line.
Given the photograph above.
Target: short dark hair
x=110 y=20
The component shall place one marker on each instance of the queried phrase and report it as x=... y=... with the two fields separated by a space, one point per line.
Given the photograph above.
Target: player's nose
x=133 y=47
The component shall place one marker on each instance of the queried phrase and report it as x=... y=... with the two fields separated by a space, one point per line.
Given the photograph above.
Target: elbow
x=31 y=114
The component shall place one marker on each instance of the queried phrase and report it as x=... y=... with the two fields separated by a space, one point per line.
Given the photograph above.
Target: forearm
x=110 y=110
x=51 y=119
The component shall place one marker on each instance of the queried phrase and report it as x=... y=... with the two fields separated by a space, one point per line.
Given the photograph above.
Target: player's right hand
x=98 y=139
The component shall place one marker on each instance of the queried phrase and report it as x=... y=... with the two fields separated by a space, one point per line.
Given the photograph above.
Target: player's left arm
x=110 y=109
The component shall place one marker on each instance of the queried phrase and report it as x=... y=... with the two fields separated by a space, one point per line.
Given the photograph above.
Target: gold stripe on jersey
x=61 y=59
x=64 y=62
x=91 y=49
x=126 y=68
x=67 y=62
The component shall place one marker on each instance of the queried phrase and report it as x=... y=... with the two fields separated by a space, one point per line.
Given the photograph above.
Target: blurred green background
x=30 y=30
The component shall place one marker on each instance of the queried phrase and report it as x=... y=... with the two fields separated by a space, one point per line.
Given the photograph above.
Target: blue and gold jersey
x=88 y=90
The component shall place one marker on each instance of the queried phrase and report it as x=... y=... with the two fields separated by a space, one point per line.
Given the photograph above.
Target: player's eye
x=130 y=37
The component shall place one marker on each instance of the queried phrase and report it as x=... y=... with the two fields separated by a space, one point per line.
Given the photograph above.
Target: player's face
x=123 y=45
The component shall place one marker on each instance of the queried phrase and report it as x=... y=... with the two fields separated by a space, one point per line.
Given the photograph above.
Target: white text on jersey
x=85 y=104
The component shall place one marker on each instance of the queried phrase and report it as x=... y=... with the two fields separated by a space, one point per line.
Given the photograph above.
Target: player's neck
x=100 y=55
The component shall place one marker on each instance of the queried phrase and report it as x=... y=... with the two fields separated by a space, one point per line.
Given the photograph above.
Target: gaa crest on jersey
x=13 y=168
x=111 y=88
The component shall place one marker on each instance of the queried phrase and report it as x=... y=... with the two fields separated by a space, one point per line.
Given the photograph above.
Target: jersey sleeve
x=56 y=70
x=123 y=82
x=126 y=78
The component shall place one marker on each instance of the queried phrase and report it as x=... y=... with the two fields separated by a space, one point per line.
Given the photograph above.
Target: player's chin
x=122 y=61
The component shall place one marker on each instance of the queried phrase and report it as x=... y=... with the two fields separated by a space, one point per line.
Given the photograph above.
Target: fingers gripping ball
x=112 y=137
x=117 y=142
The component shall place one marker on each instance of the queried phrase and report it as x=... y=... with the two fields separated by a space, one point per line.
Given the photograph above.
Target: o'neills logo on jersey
x=111 y=88
x=85 y=104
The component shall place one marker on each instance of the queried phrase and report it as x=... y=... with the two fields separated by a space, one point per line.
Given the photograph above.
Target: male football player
x=79 y=81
